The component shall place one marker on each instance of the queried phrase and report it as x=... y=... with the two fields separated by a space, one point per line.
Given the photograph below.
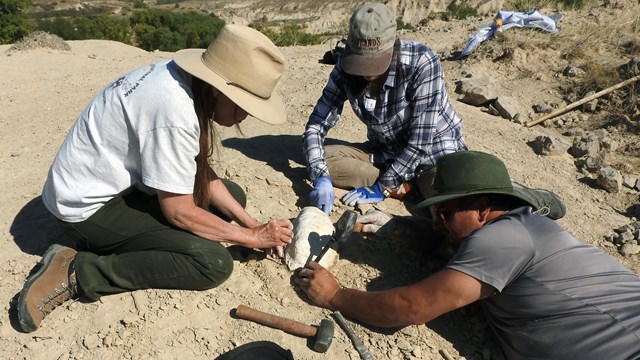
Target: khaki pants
x=350 y=167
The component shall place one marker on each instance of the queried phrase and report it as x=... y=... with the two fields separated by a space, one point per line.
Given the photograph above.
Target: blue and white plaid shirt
x=411 y=124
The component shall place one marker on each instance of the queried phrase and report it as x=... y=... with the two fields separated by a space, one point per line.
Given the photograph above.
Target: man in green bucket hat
x=545 y=293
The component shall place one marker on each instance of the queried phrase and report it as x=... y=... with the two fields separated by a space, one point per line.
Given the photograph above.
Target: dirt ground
x=43 y=90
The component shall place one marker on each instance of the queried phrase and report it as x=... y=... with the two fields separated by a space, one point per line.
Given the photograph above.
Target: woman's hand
x=276 y=252
x=276 y=234
x=318 y=283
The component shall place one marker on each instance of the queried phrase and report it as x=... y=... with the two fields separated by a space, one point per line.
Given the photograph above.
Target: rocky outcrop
x=330 y=16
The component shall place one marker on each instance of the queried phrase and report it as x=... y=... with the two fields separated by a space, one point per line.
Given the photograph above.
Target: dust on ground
x=42 y=91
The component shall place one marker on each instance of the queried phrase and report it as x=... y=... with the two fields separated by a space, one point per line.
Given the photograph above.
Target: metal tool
x=343 y=229
x=322 y=335
x=357 y=343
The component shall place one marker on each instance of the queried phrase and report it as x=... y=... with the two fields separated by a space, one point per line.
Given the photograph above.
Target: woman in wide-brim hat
x=132 y=186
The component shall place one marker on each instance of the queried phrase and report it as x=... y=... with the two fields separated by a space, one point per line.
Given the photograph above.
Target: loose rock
x=505 y=107
x=477 y=91
x=545 y=145
x=610 y=179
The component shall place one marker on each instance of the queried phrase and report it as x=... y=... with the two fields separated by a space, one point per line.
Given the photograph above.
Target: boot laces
x=65 y=292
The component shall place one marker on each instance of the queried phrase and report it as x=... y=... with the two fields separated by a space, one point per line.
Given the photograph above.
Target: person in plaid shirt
x=396 y=87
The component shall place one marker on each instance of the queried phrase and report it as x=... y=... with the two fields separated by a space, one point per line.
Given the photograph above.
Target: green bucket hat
x=466 y=173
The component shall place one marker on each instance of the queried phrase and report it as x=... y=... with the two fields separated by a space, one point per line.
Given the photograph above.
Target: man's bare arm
x=419 y=303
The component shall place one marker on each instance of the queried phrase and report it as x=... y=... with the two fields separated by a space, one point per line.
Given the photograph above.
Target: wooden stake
x=582 y=101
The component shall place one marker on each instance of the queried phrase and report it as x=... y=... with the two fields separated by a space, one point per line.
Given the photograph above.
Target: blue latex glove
x=322 y=195
x=364 y=195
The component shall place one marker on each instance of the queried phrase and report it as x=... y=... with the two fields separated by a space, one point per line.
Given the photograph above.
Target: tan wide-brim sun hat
x=244 y=65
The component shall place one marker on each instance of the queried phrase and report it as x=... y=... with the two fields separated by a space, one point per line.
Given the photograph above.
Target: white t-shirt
x=140 y=130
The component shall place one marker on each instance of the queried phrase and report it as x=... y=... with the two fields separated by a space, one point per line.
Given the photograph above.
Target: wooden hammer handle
x=287 y=325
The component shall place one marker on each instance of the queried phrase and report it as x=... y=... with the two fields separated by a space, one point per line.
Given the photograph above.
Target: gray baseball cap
x=372 y=33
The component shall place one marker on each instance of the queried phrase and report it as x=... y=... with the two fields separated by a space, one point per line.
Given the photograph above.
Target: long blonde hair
x=204 y=104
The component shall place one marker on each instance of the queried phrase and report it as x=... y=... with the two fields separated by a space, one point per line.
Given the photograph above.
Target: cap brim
x=271 y=110
x=366 y=65
x=439 y=199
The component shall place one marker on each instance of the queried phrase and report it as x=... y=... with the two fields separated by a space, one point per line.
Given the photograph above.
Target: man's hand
x=274 y=234
x=364 y=195
x=318 y=283
x=322 y=195
x=373 y=220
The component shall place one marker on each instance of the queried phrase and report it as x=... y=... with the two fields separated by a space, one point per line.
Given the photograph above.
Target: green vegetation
x=461 y=12
x=147 y=29
x=457 y=12
x=84 y=11
x=289 y=34
x=401 y=25
x=93 y=27
x=13 y=21
x=170 y=31
x=139 y=4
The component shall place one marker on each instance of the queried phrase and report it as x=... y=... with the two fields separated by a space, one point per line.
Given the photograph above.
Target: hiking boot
x=53 y=284
x=544 y=202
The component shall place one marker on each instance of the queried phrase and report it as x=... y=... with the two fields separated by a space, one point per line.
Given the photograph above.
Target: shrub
x=455 y=11
x=139 y=4
x=461 y=12
x=13 y=22
x=289 y=34
x=260 y=24
x=401 y=25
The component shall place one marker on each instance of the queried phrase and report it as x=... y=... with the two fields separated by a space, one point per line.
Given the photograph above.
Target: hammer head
x=324 y=336
x=344 y=226
x=343 y=229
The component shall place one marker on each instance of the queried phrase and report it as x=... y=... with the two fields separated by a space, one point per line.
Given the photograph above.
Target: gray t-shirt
x=557 y=297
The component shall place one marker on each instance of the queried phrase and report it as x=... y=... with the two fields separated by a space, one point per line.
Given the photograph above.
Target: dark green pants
x=129 y=245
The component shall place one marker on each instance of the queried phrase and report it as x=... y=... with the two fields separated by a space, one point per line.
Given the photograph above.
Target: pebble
x=417 y=351
x=409 y=331
x=91 y=341
x=629 y=249
x=404 y=345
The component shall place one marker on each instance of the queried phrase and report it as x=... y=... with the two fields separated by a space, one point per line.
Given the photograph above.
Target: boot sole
x=25 y=319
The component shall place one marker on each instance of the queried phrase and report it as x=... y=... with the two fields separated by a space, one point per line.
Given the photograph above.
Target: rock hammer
x=343 y=229
x=322 y=335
